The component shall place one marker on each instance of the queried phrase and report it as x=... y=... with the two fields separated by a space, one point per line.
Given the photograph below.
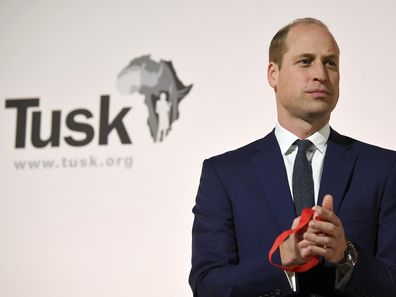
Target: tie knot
x=303 y=145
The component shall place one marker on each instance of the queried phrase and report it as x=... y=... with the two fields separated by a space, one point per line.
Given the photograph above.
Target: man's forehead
x=309 y=38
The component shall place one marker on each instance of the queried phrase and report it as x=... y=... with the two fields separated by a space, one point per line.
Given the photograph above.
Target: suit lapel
x=271 y=171
x=337 y=169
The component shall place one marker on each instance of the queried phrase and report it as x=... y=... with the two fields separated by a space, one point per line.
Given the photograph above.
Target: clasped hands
x=324 y=237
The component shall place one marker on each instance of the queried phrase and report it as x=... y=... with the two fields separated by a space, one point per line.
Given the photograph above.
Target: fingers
x=325 y=212
x=333 y=252
x=329 y=227
x=308 y=250
x=328 y=202
x=295 y=223
x=318 y=239
x=325 y=235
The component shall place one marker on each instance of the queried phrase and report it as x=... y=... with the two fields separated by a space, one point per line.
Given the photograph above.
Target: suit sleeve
x=217 y=269
x=375 y=275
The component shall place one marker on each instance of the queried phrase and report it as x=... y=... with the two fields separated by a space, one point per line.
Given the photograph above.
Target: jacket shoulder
x=245 y=151
x=361 y=148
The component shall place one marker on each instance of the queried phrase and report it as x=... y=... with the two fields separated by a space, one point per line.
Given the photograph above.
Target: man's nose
x=320 y=72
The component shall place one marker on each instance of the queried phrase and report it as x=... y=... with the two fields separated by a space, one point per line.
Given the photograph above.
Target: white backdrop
x=121 y=230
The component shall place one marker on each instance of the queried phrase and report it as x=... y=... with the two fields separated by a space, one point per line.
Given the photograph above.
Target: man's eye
x=331 y=63
x=304 y=62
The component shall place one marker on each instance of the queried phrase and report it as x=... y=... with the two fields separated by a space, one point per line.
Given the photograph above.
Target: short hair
x=278 y=47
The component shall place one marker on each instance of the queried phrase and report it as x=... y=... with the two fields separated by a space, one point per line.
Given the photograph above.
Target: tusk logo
x=157 y=81
x=161 y=87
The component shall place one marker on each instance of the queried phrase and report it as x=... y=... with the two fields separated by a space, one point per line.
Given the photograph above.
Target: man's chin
x=319 y=114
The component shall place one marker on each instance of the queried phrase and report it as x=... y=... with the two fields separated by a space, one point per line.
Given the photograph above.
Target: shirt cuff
x=291 y=277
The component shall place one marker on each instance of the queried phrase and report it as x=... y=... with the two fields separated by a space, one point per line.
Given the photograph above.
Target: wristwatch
x=350 y=259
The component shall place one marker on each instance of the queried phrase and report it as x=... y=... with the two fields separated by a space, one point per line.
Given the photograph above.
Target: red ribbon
x=306 y=216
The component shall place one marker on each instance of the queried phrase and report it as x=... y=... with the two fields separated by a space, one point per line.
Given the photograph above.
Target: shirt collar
x=286 y=139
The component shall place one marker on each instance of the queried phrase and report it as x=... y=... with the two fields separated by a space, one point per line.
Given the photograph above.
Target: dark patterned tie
x=303 y=186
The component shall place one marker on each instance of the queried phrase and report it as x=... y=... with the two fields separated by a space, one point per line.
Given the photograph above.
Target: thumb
x=328 y=202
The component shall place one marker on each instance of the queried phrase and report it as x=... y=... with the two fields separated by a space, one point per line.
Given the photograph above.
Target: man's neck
x=302 y=129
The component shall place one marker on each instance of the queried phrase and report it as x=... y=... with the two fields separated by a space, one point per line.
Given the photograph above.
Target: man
x=247 y=197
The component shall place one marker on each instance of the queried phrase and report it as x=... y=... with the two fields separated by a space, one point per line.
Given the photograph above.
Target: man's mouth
x=319 y=92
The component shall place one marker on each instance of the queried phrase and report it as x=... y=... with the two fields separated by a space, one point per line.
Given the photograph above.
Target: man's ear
x=272 y=74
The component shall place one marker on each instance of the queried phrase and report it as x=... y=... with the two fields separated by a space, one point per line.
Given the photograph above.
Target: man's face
x=307 y=85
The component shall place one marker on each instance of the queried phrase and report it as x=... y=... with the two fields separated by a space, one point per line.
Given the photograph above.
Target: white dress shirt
x=315 y=153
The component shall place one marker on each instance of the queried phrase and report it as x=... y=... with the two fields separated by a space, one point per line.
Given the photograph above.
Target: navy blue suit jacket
x=244 y=203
